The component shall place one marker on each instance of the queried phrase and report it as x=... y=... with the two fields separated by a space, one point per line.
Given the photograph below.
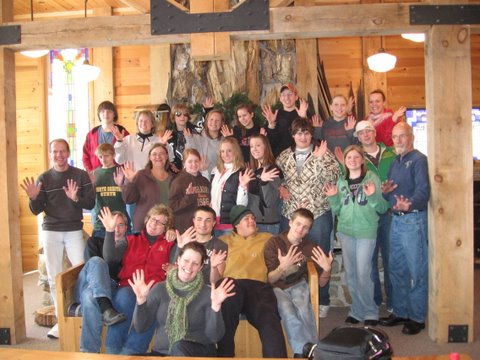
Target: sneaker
x=324 y=311
x=53 y=332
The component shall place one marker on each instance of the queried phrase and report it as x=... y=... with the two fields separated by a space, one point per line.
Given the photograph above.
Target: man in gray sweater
x=61 y=193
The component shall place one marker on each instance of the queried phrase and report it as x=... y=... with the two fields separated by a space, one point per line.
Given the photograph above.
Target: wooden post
x=210 y=46
x=306 y=64
x=449 y=100
x=160 y=71
x=103 y=58
x=12 y=315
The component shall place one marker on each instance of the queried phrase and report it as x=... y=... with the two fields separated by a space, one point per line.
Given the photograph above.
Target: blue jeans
x=408 y=265
x=382 y=246
x=273 y=229
x=120 y=338
x=320 y=234
x=297 y=315
x=357 y=259
x=93 y=282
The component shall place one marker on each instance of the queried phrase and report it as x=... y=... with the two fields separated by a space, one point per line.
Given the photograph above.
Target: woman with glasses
x=179 y=121
x=148 y=251
x=148 y=186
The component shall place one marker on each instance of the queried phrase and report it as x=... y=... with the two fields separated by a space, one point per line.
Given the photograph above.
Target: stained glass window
x=68 y=101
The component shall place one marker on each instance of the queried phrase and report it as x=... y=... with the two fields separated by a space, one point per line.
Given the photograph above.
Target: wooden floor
x=22 y=354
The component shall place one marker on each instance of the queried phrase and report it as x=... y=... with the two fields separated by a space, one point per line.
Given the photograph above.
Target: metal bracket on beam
x=167 y=19
x=444 y=14
x=10 y=34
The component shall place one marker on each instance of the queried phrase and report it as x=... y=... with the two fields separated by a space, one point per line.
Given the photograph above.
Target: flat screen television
x=417 y=118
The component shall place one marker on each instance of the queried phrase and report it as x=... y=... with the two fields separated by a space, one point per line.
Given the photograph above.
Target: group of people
x=193 y=227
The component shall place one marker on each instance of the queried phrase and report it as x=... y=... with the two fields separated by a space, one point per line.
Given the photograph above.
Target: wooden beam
x=448 y=85
x=140 y=5
x=286 y=22
x=12 y=315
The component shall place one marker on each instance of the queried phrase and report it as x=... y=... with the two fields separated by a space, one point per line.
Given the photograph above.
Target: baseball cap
x=290 y=87
x=363 y=125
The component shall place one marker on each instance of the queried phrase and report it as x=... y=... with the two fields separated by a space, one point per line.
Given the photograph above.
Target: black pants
x=258 y=303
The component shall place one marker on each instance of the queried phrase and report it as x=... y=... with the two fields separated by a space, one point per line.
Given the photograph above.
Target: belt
x=402 y=213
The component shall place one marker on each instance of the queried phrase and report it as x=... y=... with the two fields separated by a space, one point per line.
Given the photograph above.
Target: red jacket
x=89 y=159
x=141 y=255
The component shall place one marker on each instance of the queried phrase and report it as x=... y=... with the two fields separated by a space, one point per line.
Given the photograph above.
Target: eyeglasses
x=179 y=113
x=157 y=222
x=120 y=225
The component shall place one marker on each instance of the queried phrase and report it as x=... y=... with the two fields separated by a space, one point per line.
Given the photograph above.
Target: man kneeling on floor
x=286 y=257
x=254 y=297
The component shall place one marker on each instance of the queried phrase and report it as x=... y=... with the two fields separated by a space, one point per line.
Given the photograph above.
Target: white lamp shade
x=414 y=37
x=86 y=72
x=35 y=53
x=381 y=61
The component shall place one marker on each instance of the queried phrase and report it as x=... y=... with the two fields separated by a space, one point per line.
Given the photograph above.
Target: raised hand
x=330 y=189
x=226 y=131
x=222 y=292
x=139 y=287
x=388 y=186
x=168 y=266
x=321 y=149
x=269 y=175
x=208 y=103
x=190 y=189
x=350 y=123
x=245 y=177
x=402 y=204
x=167 y=135
x=316 y=121
x=369 y=188
x=339 y=154
x=30 y=188
x=171 y=235
x=128 y=171
x=399 y=113
x=302 y=109
x=118 y=176
x=291 y=257
x=71 y=190
x=263 y=131
x=322 y=260
x=93 y=177
x=217 y=258
x=204 y=163
x=270 y=116
x=108 y=219
x=350 y=104
x=187 y=237
x=187 y=132
x=119 y=135
x=284 y=192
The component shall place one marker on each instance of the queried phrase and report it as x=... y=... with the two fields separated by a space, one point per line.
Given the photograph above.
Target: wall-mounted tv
x=417 y=118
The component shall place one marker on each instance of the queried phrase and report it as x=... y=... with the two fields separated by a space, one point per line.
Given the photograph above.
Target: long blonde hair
x=238 y=162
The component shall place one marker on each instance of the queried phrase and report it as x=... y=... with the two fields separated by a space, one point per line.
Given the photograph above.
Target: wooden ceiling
x=54 y=8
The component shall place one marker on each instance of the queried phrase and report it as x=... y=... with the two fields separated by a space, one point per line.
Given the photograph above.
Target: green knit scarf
x=176 y=324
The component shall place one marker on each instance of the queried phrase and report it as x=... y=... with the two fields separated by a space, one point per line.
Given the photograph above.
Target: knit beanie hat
x=237 y=213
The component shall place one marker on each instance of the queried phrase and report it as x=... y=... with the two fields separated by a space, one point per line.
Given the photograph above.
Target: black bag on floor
x=353 y=343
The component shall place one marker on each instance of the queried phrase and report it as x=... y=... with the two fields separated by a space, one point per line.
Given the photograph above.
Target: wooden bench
x=247 y=341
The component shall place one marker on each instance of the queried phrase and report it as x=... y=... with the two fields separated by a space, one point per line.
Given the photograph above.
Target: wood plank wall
x=343 y=63
x=31 y=144
x=406 y=83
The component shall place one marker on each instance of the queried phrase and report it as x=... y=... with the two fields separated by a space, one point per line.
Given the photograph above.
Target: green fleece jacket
x=387 y=155
x=358 y=217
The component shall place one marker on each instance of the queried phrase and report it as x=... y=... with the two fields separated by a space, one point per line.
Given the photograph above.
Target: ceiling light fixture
x=86 y=72
x=418 y=37
x=381 y=61
x=34 y=53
